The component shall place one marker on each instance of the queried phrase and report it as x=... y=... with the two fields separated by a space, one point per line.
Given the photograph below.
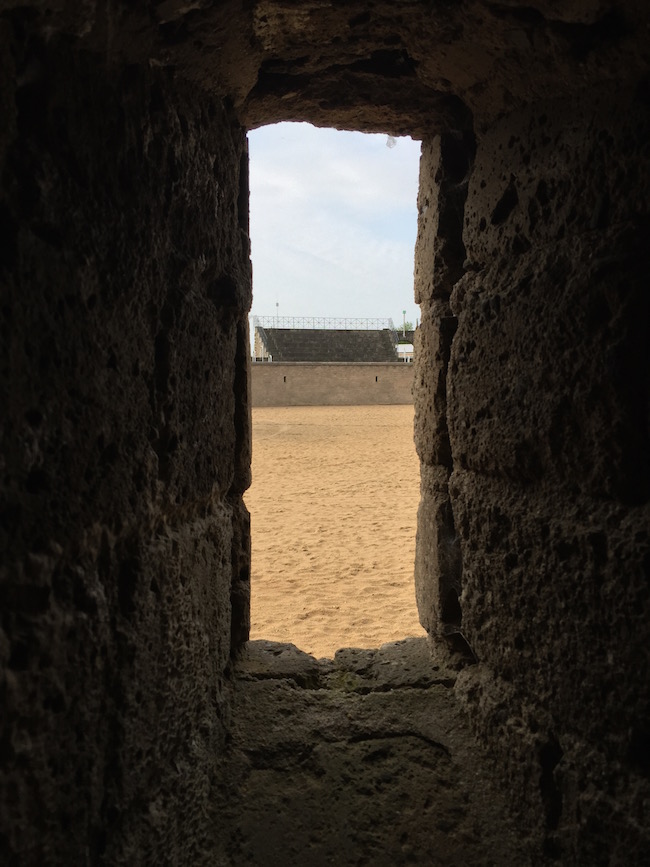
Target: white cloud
x=333 y=222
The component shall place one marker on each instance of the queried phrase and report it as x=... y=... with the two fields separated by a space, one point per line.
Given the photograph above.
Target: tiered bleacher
x=285 y=344
x=351 y=345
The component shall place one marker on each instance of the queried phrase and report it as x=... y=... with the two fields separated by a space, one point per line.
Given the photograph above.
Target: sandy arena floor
x=333 y=514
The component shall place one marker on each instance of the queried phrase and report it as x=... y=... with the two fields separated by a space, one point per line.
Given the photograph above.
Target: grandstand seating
x=298 y=344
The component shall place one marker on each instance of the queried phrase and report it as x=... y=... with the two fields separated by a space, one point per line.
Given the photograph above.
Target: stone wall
x=534 y=444
x=125 y=442
x=331 y=384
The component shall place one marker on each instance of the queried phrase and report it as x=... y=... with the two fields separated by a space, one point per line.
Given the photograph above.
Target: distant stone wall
x=331 y=384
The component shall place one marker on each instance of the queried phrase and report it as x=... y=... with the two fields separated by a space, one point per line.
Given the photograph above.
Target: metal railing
x=323 y=322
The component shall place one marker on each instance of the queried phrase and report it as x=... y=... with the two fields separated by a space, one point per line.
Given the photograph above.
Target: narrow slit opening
x=335 y=485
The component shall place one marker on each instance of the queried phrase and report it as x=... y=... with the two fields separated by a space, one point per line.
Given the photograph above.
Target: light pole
x=404 y=326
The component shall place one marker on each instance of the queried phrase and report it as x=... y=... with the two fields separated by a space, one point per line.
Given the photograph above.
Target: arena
x=333 y=519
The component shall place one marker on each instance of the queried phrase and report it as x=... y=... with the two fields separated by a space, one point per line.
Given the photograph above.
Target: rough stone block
x=438 y=566
x=548 y=367
x=445 y=167
x=125 y=287
x=433 y=345
x=547 y=411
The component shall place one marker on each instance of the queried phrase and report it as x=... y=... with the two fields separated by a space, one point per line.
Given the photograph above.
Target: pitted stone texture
x=445 y=167
x=372 y=764
x=430 y=67
x=433 y=345
x=406 y=68
x=261 y=659
x=125 y=426
x=153 y=303
x=439 y=263
x=173 y=646
x=394 y=665
x=558 y=170
x=579 y=766
x=562 y=396
x=438 y=567
x=547 y=409
x=125 y=287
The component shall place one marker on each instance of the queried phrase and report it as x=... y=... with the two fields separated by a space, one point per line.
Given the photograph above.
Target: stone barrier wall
x=331 y=384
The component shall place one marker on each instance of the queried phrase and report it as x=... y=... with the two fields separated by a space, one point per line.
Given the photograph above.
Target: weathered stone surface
x=258 y=660
x=125 y=442
x=439 y=264
x=392 y=666
x=411 y=67
x=433 y=345
x=547 y=407
x=582 y=567
x=558 y=399
x=438 y=565
x=427 y=68
x=445 y=168
x=366 y=761
x=124 y=283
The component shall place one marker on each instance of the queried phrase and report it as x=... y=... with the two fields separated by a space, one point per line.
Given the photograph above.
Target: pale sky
x=333 y=220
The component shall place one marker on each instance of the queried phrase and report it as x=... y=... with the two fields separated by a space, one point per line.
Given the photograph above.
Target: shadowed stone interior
x=125 y=442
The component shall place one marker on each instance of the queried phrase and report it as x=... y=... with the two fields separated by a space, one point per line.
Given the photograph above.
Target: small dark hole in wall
x=459 y=151
x=127 y=585
x=33 y=417
x=505 y=205
x=451 y=611
x=36 y=481
x=362 y=18
x=564 y=551
x=376 y=379
x=223 y=292
x=551 y=848
x=550 y=755
x=284 y=378
x=639 y=749
x=54 y=703
x=19 y=657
